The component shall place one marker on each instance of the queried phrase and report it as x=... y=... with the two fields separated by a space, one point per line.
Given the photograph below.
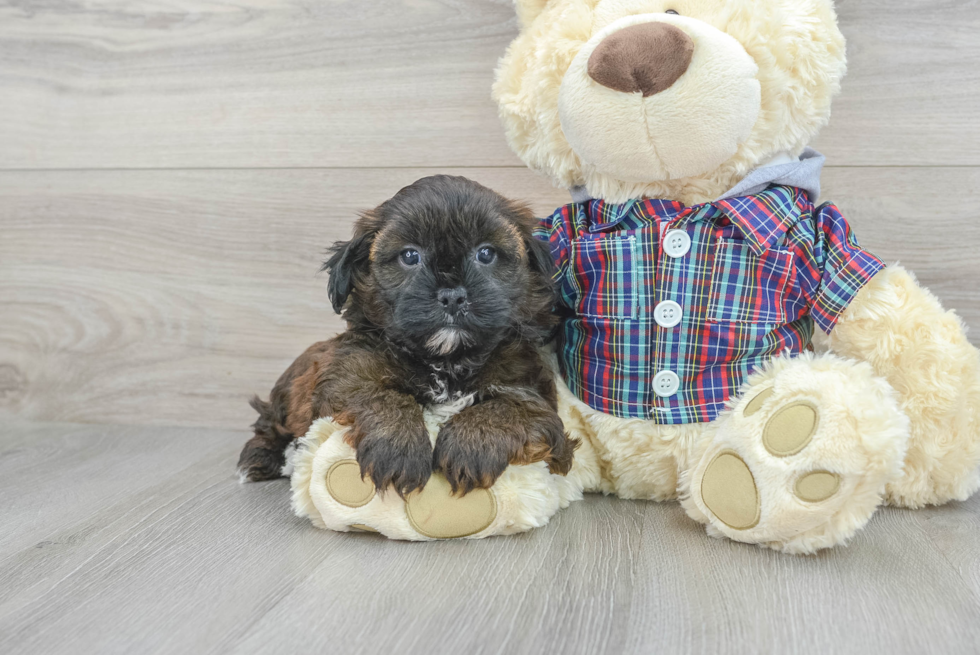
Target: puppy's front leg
x=392 y=443
x=387 y=428
x=476 y=445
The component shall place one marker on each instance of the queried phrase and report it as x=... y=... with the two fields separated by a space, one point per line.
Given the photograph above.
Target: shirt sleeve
x=557 y=231
x=842 y=265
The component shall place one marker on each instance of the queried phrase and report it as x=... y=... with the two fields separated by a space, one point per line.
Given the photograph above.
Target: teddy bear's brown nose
x=646 y=58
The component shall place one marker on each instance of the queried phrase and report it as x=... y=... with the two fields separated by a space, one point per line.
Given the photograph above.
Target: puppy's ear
x=348 y=260
x=539 y=256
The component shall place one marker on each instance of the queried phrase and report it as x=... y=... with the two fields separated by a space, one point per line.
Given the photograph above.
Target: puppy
x=447 y=296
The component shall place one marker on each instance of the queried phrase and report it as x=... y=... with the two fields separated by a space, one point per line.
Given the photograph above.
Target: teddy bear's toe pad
x=434 y=512
x=790 y=429
x=756 y=403
x=728 y=490
x=345 y=484
x=817 y=486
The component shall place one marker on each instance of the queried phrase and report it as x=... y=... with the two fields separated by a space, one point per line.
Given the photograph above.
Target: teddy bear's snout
x=646 y=58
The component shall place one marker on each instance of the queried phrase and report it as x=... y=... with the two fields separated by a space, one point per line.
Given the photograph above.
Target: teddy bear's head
x=666 y=98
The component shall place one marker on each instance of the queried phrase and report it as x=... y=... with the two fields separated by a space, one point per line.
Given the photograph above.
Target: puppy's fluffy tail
x=264 y=455
x=272 y=419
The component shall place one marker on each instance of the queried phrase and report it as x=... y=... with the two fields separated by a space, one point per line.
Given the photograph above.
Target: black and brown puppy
x=447 y=296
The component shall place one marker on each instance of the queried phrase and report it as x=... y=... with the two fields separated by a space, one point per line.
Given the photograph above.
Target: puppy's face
x=445 y=268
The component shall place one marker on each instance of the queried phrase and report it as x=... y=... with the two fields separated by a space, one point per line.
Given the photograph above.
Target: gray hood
x=804 y=173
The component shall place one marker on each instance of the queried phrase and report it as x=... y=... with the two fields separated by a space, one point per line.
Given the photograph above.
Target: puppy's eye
x=486 y=255
x=410 y=257
x=672 y=12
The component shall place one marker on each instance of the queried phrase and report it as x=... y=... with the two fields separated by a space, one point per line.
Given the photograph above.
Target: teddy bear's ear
x=528 y=10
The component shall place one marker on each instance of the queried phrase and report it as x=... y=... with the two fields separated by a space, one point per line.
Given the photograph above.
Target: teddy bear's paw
x=801 y=463
x=728 y=487
x=329 y=490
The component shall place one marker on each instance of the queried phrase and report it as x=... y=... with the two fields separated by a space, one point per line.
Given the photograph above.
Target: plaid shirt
x=760 y=270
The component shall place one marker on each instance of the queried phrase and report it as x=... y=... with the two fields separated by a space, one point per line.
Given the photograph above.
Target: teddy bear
x=696 y=271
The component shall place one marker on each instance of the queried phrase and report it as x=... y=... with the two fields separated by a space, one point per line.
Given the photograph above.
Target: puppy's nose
x=646 y=58
x=452 y=300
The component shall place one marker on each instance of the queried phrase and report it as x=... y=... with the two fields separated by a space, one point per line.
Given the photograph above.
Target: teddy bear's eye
x=672 y=12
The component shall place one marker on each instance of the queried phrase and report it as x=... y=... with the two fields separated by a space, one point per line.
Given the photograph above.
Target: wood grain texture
x=913 y=84
x=255 y=83
x=181 y=558
x=251 y=83
x=168 y=298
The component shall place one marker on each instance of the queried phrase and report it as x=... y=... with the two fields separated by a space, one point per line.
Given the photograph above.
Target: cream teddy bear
x=694 y=268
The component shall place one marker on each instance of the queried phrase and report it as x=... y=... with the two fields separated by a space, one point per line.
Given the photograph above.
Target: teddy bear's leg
x=903 y=332
x=328 y=489
x=802 y=459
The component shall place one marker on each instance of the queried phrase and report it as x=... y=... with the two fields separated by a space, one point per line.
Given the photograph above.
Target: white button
x=667 y=314
x=666 y=383
x=677 y=243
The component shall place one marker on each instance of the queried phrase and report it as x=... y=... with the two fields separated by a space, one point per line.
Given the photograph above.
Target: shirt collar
x=764 y=218
x=604 y=215
x=763 y=206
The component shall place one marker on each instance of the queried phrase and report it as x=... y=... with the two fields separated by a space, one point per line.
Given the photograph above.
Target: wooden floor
x=171 y=172
x=141 y=540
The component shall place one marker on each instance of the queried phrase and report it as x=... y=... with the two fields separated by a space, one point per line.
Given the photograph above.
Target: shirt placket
x=677 y=263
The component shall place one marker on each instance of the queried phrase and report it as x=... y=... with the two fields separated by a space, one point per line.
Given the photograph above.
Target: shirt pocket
x=604 y=278
x=749 y=288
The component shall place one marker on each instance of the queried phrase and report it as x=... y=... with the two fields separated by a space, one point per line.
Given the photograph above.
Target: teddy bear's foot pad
x=435 y=512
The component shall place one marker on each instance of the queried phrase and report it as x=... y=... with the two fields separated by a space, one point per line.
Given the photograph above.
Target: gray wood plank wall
x=170 y=174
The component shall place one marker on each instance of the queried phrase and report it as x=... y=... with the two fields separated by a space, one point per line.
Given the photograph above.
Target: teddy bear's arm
x=882 y=316
x=902 y=330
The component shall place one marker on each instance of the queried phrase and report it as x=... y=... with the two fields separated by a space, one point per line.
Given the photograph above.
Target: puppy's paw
x=551 y=445
x=470 y=456
x=404 y=464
